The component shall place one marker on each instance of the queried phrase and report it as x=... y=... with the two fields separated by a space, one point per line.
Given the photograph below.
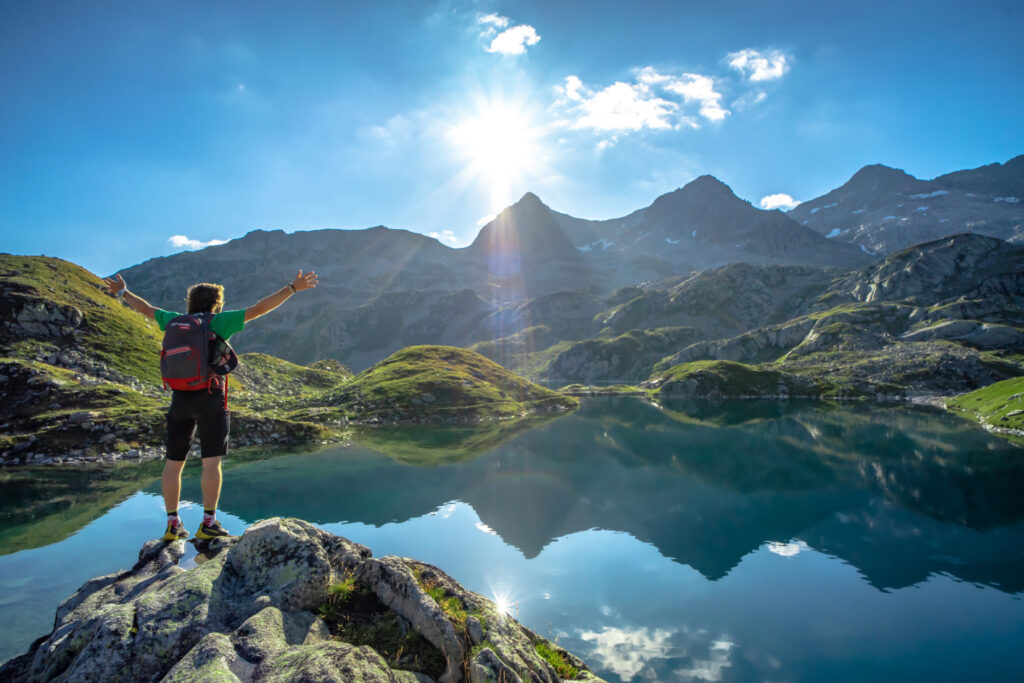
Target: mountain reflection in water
x=679 y=541
x=899 y=494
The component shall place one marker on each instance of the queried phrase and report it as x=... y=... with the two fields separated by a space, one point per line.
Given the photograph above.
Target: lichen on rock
x=248 y=612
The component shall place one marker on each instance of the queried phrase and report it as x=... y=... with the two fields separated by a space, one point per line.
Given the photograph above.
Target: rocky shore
x=286 y=601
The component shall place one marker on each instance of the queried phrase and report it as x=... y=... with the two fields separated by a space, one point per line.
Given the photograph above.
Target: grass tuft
x=556 y=658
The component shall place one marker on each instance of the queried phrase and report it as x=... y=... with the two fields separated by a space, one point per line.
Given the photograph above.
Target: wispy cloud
x=692 y=88
x=446 y=236
x=778 y=201
x=760 y=66
x=513 y=41
x=748 y=100
x=183 y=242
x=493 y=22
x=397 y=130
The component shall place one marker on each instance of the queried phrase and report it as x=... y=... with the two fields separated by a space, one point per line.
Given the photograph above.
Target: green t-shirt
x=225 y=323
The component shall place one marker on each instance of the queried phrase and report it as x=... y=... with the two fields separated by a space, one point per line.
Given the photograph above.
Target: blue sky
x=127 y=124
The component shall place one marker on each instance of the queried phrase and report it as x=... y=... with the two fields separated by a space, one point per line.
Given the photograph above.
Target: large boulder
x=248 y=611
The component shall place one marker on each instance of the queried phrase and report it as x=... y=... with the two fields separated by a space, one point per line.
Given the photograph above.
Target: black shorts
x=204 y=409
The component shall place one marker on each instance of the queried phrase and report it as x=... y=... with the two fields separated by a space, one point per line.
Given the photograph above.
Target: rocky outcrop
x=762 y=344
x=724 y=302
x=968 y=266
x=248 y=611
x=44 y=319
x=628 y=357
x=972 y=332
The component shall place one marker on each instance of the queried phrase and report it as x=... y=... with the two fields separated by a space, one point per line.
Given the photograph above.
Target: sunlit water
x=748 y=541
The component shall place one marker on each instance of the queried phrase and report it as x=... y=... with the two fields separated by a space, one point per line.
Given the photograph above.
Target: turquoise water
x=739 y=542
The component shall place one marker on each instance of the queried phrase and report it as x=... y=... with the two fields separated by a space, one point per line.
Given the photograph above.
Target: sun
x=501 y=144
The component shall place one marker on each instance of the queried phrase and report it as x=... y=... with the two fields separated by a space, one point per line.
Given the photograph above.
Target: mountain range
x=534 y=277
x=884 y=209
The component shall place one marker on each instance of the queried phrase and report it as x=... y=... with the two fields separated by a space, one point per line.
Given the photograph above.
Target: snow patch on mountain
x=929 y=195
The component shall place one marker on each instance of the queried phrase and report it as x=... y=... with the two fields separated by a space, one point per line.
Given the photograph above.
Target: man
x=204 y=408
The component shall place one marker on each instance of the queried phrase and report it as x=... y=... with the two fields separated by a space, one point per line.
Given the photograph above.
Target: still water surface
x=738 y=542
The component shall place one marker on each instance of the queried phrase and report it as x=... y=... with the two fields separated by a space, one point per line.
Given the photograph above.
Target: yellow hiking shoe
x=211 y=531
x=175 y=532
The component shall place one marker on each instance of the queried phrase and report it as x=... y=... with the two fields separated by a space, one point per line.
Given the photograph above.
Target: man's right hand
x=115 y=284
x=307 y=281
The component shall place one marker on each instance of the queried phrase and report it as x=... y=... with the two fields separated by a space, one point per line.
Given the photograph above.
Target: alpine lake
x=739 y=541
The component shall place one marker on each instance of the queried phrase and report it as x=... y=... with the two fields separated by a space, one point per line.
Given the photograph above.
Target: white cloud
x=655 y=101
x=787 y=549
x=513 y=41
x=759 y=66
x=183 y=242
x=696 y=88
x=484 y=220
x=573 y=85
x=446 y=236
x=493 y=21
x=778 y=201
x=619 y=107
x=626 y=652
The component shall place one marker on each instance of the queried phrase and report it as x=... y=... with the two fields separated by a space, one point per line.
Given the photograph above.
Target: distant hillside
x=941 y=318
x=884 y=209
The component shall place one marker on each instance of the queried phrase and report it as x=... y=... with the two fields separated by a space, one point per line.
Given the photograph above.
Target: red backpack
x=185 y=356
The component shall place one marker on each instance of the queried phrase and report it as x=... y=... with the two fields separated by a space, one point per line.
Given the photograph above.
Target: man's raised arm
x=118 y=288
x=269 y=303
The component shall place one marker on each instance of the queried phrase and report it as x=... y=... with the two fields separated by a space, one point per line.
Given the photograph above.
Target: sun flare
x=500 y=142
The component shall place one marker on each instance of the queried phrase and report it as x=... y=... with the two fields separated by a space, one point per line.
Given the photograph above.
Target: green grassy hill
x=79 y=379
x=51 y=306
x=999 y=407
x=428 y=383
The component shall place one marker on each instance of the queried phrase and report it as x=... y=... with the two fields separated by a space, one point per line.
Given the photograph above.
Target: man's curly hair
x=205 y=298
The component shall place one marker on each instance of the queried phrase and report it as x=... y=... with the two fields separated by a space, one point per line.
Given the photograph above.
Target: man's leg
x=171 y=483
x=211 y=482
x=180 y=432
x=213 y=438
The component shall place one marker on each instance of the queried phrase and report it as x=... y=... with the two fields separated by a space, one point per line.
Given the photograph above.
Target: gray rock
x=246 y=612
x=487 y=667
x=475 y=630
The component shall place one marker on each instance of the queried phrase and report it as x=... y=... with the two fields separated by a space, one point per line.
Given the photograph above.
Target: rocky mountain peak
x=529 y=225
x=700 y=195
x=707 y=183
x=877 y=176
x=530 y=199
